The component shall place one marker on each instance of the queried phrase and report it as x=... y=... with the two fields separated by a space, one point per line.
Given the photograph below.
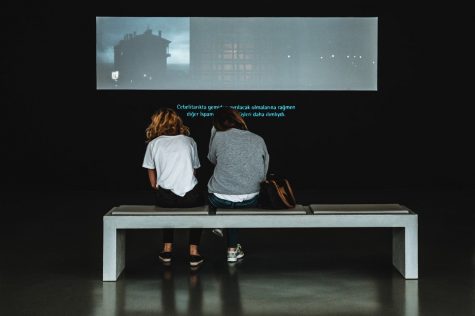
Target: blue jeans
x=231 y=233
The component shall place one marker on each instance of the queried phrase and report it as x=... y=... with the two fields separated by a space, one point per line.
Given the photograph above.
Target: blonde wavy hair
x=166 y=122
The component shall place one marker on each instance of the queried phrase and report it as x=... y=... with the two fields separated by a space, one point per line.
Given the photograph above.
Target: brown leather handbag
x=276 y=193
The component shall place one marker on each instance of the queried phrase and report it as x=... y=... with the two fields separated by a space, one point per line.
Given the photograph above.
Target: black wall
x=59 y=132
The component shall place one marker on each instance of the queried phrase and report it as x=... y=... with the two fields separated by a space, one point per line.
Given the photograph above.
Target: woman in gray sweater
x=241 y=162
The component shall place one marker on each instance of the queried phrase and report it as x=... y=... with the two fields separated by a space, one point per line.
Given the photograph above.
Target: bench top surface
x=155 y=210
x=297 y=210
x=149 y=216
x=316 y=209
x=319 y=209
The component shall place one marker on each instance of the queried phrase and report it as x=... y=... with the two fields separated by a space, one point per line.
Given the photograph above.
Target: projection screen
x=237 y=53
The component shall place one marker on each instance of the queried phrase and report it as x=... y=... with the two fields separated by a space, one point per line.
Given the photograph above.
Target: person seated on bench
x=241 y=161
x=171 y=158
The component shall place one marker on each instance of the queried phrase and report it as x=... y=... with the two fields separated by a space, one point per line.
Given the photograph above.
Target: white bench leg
x=113 y=252
x=405 y=250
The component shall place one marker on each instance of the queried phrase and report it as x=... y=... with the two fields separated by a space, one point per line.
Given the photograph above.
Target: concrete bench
x=400 y=219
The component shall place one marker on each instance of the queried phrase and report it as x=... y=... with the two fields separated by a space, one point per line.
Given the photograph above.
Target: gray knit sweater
x=241 y=161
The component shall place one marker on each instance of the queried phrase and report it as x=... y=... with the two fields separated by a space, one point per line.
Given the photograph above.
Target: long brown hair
x=226 y=117
x=166 y=122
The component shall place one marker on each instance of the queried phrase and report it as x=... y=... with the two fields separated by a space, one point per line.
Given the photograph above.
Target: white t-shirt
x=174 y=158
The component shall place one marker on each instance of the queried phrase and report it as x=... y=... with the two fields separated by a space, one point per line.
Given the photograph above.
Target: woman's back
x=175 y=158
x=241 y=160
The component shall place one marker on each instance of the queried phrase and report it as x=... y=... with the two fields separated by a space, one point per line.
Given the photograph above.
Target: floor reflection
x=172 y=294
x=195 y=293
x=229 y=291
x=405 y=293
x=167 y=291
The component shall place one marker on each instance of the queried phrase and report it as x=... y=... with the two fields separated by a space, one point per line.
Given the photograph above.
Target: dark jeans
x=232 y=234
x=193 y=198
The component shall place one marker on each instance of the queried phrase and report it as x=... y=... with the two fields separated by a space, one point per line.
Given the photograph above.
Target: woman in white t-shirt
x=171 y=158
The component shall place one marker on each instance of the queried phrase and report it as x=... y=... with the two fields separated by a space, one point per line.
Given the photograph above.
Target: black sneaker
x=165 y=256
x=196 y=260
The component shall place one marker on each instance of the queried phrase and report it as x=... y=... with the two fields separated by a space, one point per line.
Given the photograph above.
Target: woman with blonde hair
x=171 y=158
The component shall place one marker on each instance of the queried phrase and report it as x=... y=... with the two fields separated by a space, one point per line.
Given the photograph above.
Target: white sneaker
x=218 y=232
x=233 y=256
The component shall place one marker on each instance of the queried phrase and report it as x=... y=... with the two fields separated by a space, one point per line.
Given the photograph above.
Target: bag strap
x=290 y=191
x=282 y=194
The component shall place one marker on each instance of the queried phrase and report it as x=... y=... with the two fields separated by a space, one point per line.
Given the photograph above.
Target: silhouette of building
x=141 y=60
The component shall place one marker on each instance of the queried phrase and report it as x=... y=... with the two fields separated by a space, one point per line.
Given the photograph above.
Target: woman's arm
x=152 y=176
x=212 y=149
x=266 y=160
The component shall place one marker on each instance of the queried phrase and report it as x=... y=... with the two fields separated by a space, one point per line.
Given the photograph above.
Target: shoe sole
x=165 y=260
x=235 y=259
x=217 y=233
x=195 y=264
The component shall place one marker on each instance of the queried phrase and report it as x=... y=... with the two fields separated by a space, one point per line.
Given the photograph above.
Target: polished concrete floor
x=51 y=262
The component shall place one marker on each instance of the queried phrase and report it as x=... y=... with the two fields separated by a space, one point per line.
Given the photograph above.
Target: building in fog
x=141 y=60
x=242 y=53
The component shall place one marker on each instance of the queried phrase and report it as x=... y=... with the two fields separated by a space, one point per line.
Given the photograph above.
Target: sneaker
x=165 y=256
x=218 y=232
x=196 y=260
x=233 y=256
